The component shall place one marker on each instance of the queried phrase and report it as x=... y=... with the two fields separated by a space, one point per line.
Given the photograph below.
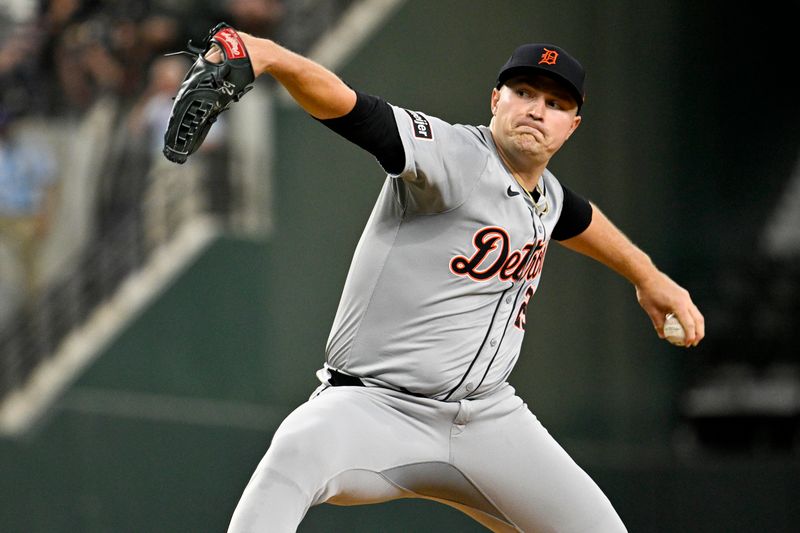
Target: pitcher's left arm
x=656 y=292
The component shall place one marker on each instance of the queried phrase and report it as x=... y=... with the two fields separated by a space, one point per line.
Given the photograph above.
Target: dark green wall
x=678 y=145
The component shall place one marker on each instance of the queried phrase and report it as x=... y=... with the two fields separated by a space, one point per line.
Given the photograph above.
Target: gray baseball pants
x=490 y=458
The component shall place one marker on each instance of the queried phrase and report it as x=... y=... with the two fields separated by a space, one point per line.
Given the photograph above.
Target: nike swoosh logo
x=511 y=192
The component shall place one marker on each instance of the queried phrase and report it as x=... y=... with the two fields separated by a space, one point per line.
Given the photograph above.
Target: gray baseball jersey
x=452 y=254
x=434 y=305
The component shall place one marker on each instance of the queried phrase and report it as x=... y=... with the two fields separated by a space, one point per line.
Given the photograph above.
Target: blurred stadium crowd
x=58 y=56
x=85 y=194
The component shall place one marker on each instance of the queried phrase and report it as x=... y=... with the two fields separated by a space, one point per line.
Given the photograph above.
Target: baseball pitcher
x=413 y=400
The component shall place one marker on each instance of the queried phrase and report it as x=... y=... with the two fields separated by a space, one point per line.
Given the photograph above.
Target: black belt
x=338 y=379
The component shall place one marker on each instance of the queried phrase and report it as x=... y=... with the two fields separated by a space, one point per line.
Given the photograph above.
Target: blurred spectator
x=173 y=192
x=149 y=117
x=57 y=14
x=259 y=17
x=27 y=198
x=140 y=184
x=20 y=75
x=84 y=64
x=160 y=33
x=137 y=145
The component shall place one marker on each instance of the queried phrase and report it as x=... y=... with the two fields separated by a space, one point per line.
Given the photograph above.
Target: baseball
x=673 y=331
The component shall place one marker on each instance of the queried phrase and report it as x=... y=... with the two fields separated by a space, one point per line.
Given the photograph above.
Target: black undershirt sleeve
x=576 y=215
x=372 y=126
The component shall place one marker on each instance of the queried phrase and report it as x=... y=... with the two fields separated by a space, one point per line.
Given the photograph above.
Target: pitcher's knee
x=270 y=502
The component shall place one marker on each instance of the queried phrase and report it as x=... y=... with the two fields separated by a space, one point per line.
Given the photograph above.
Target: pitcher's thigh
x=530 y=478
x=335 y=447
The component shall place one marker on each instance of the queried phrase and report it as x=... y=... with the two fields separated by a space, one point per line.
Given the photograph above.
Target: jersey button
x=469 y=386
x=493 y=342
x=508 y=299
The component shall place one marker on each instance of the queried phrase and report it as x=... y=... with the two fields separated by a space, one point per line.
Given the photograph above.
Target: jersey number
x=519 y=323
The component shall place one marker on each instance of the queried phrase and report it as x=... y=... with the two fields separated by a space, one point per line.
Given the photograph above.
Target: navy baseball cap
x=547 y=59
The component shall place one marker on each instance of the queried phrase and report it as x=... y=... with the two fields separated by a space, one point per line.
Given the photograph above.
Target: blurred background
x=157 y=322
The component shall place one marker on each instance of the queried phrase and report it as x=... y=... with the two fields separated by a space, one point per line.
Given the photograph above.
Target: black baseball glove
x=207 y=90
